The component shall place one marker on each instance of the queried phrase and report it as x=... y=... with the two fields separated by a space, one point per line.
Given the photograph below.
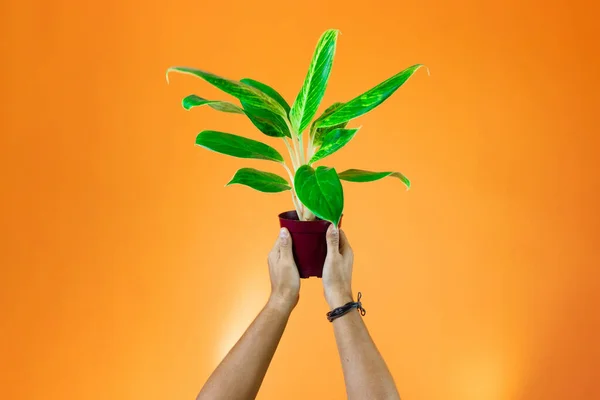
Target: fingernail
x=283 y=233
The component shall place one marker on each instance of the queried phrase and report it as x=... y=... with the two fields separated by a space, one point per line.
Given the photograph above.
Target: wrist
x=338 y=298
x=281 y=304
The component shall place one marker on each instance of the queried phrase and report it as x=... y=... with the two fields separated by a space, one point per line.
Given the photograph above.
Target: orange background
x=128 y=270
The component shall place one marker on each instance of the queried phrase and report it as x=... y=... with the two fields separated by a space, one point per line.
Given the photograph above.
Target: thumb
x=333 y=240
x=285 y=243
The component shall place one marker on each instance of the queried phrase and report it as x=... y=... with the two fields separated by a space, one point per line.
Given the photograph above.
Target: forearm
x=241 y=373
x=365 y=372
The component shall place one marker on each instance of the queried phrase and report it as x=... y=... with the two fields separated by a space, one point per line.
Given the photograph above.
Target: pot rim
x=292 y=216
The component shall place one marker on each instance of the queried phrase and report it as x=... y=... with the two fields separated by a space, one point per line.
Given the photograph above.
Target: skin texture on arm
x=240 y=374
x=365 y=372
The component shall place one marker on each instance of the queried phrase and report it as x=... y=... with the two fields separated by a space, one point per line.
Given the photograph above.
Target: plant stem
x=295 y=199
x=301 y=146
x=292 y=154
x=309 y=215
x=289 y=173
x=310 y=147
x=296 y=152
x=299 y=205
x=295 y=159
x=310 y=150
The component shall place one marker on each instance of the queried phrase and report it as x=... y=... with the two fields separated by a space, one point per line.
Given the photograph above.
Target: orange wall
x=128 y=270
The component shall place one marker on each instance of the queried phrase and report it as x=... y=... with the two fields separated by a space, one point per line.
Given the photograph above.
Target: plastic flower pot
x=309 y=243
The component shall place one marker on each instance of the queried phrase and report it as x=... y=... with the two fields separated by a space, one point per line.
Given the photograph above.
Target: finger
x=275 y=249
x=285 y=244
x=333 y=240
x=344 y=244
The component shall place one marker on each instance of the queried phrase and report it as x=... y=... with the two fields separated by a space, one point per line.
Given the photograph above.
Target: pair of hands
x=337 y=271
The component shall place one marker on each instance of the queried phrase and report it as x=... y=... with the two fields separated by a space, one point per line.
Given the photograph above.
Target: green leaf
x=192 y=101
x=268 y=123
x=359 y=175
x=328 y=111
x=308 y=100
x=237 y=146
x=259 y=180
x=241 y=91
x=272 y=125
x=368 y=100
x=269 y=91
x=317 y=134
x=321 y=192
x=332 y=142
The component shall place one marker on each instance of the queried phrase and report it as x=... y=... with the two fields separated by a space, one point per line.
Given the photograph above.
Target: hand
x=285 y=279
x=337 y=271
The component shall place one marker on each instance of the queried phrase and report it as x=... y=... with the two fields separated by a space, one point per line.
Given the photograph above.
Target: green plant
x=316 y=192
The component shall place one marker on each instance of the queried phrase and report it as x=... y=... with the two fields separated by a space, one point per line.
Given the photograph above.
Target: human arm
x=365 y=372
x=240 y=374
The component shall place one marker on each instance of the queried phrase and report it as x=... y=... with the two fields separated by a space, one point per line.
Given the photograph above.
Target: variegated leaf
x=320 y=190
x=269 y=91
x=368 y=100
x=262 y=181
x=241 y=91
x=332 y=142
x=358 y=175
x=309 y=98
x=192 y=101
x=237 y=146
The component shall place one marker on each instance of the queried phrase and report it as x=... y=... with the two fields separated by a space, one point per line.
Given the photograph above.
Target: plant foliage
x=316 y=192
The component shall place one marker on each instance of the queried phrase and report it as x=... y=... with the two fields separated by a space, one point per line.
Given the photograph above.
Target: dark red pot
x=309 y=244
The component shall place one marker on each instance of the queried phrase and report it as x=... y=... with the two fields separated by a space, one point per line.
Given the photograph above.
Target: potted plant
x=317 y=193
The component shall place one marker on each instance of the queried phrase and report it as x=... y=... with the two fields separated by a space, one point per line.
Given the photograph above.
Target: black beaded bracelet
x=338 y=312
